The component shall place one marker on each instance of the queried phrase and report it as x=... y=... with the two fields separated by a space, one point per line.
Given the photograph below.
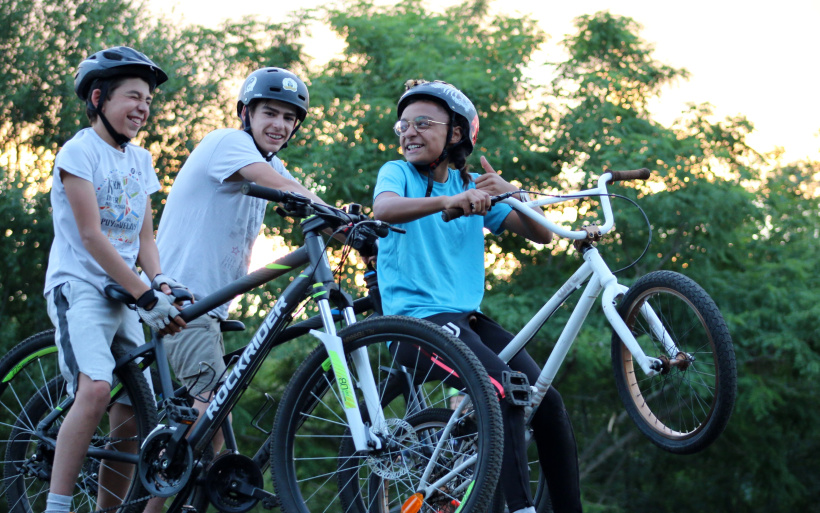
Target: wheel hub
x=391 y=462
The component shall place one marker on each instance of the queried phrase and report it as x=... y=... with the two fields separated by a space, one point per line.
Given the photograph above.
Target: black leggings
x=551 y=427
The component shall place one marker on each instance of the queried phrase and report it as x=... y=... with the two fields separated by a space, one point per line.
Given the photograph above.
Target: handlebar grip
x=451 y=213
x=633 y=174
x=266 y=193
x=382 y=230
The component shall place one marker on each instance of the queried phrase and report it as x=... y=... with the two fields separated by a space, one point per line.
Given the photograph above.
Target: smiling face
x=272 y=124
x=422 y=148
x=126 y=108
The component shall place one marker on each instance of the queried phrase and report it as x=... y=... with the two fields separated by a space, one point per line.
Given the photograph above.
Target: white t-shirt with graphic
x=208 y=226
x=122 y=181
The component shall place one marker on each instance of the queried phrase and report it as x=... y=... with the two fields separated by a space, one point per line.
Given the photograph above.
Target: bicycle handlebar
x=267 y=193
x=609 y=176
x=632 y=174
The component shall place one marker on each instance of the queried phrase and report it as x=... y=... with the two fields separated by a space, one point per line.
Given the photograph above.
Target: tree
x=42 y=43
x=743 y=225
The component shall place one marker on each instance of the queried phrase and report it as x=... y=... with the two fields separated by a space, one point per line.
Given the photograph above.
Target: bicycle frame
x=601 y=280
x=319 y=277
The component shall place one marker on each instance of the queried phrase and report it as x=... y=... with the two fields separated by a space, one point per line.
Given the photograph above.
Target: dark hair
x=113 y=84
x=458 y=153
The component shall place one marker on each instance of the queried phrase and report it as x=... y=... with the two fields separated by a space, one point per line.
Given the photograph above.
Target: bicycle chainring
x=163 y=474
x=230 y=482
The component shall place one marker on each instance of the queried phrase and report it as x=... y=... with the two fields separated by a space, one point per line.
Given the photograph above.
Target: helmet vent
x=276 y=89
x=112 y=56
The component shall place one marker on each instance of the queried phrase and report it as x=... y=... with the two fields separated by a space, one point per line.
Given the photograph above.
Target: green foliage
x=348 y=134
x=743 y=225
x=24 y=241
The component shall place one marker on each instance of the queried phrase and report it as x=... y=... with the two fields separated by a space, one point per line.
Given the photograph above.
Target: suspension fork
x=363 y=438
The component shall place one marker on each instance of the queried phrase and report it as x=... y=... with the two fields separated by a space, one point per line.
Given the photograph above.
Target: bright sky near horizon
x=756 y=59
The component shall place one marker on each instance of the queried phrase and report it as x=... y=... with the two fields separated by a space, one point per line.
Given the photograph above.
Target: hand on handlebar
x=471 y=201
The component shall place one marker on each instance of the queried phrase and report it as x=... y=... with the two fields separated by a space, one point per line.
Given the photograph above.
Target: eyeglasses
x=420 y=124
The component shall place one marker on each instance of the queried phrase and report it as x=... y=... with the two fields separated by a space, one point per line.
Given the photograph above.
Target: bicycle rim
x=686 y=406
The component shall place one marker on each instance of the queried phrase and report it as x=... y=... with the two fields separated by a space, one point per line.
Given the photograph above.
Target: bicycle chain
x=124 y=504
x=113 y=439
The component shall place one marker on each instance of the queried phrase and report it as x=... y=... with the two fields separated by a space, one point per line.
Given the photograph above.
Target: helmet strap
x=441 y=158
x=121 y=140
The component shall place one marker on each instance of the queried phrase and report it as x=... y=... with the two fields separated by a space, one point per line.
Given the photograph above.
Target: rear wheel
x=687 y=405
x=102 y=482
x=24 y=370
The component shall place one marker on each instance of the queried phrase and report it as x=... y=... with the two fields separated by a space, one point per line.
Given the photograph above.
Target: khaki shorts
x=195 y=354
x=87 y=324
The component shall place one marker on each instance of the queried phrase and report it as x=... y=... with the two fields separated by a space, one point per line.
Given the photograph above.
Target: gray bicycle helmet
x=273 y=84
x=108 y=64
x=455 y=102
x=443 y=93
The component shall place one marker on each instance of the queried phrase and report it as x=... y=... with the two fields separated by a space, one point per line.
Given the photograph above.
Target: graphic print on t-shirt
x=122 y=205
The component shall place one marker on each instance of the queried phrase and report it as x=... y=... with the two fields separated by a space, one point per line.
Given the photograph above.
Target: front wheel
x=687 y=404
x=315 y=466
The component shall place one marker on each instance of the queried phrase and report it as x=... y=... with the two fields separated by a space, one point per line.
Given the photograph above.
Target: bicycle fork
x=364 y=438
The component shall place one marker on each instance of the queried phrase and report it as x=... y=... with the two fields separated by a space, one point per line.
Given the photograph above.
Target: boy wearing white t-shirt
x=102 y=228
x=208 y=226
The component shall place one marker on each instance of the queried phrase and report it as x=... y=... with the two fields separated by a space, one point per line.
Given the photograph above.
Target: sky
x=751 y=58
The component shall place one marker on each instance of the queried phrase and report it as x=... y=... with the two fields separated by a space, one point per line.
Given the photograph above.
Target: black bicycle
x=371 y=457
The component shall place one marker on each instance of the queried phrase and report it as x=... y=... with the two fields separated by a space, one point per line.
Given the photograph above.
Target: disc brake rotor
x=392 y=463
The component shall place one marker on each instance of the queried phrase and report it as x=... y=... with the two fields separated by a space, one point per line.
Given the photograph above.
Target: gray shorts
x=87 y=324
x=195 y=354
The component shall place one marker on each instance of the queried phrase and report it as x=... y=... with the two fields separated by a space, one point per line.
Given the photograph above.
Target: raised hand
x=491 y=182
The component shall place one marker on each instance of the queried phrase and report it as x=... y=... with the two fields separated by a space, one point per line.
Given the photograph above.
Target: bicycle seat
x=231 y=325
x=118 y=293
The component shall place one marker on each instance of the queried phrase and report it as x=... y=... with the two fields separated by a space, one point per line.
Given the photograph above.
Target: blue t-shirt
x=436 y=267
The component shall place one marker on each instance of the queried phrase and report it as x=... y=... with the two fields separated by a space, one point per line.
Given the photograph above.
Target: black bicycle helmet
x=111 y=63
x=273 y=84
x=456 y=103
x=114 y=62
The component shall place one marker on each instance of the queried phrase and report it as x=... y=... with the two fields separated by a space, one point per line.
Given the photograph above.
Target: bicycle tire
x=28 y=458
x=393 y=388
x=685 y=408
x=303 y=436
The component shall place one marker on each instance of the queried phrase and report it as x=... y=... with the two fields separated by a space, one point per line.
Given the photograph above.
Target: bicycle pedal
x=517 y=389
x=187 y=508
x=181 y=413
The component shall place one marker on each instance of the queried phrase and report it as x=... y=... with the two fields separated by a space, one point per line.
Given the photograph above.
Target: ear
x=95 y=98
x=456 y=135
